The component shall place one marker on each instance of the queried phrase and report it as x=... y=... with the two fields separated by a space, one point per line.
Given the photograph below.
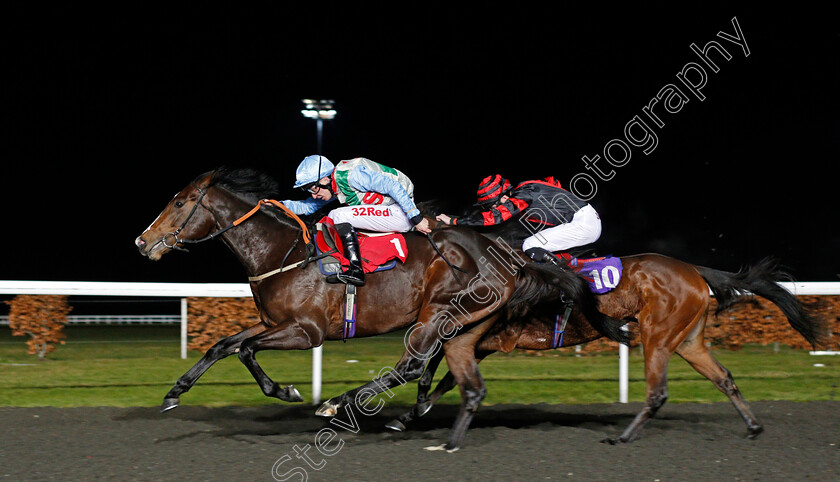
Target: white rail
x=104 y=288
x=812 y=288
x=115 y=319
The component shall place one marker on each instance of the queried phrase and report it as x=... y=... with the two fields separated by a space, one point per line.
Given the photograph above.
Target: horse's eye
x=179 y=204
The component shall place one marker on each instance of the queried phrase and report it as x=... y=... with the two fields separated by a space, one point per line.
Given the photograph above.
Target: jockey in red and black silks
x=563 y=220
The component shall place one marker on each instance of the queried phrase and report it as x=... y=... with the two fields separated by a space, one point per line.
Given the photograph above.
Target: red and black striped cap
x=491 y=189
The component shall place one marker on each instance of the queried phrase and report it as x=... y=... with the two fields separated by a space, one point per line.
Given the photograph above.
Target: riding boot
x=355 y=274
x=544 y=256
x=541 y=255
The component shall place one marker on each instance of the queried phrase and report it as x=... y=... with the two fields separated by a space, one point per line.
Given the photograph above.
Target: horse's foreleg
x=220 y=350
x=423 y=386
x=281 y=337
x=656 y=377
x=460 y=357
x=425 y=402
x=425 y=383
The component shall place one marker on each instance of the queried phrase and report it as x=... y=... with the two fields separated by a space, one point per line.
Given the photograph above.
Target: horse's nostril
x=139 y=242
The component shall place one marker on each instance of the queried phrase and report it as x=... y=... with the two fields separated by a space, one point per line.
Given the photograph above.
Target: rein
x=307 y=238
x=455 y=268
x=304 y=230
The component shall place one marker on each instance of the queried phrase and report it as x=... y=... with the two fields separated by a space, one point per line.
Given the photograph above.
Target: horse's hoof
x=611 y=441
x=169 y=404
x=423 y=408
x=395 y=425
x=327 y=409
x=293 y=394
x=755 y=432
x=435 y=448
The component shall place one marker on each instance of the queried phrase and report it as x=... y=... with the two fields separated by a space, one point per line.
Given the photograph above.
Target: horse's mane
x=433 y=207
x=255 y=185
x=247 y=182
x=512 y=231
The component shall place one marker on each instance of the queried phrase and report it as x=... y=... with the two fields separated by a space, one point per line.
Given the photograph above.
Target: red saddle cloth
x=375 y=251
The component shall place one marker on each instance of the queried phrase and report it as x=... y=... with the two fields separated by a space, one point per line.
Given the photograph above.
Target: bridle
x=304 y=232
x=307 y=238
x=179 y=241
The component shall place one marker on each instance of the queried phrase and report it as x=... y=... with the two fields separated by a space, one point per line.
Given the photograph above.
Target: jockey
x=355 y=183
x=557 y=219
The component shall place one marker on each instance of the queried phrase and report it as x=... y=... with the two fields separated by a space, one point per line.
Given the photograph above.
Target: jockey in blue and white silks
x=374 y=198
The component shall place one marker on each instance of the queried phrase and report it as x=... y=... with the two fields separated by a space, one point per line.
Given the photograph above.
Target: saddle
x=379 y=252
x=602 y=274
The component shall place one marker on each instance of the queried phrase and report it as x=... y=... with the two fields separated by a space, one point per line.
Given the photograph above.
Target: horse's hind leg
x=694 y=351
x=423 y=343
x=220 y=350
x=408 y=368
x=666 y=320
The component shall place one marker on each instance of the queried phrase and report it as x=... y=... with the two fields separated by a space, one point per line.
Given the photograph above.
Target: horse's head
x=184 y=218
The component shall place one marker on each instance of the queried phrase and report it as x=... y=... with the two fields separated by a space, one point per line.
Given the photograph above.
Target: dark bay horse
x=669 y=300
x=298 y=310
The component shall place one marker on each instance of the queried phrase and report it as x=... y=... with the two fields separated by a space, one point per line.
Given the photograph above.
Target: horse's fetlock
x=246 y=352
x=270 y=389
x=414 y=370
x=656 y=401
x=474 y=398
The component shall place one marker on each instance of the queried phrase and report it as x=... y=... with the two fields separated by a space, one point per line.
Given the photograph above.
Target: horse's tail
x=732 y=288
x=539 y=283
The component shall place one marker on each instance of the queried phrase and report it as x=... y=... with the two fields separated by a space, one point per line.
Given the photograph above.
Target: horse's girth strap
x=306 y=237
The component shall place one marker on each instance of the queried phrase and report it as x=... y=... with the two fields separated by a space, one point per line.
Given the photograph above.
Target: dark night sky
x=104 y=122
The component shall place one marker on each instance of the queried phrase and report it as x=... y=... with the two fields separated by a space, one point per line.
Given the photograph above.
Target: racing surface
x=506 y=442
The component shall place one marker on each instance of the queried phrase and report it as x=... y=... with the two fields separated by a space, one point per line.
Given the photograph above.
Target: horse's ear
x=216 y=174
x=210 y=178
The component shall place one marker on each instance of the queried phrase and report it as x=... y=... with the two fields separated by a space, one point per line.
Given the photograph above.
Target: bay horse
x=669 y=299
x=298 y=310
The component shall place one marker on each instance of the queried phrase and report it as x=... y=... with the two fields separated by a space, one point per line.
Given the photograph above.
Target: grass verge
x=136 y=366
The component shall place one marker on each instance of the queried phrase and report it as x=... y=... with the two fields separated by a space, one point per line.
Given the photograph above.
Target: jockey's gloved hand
x=421 y=224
